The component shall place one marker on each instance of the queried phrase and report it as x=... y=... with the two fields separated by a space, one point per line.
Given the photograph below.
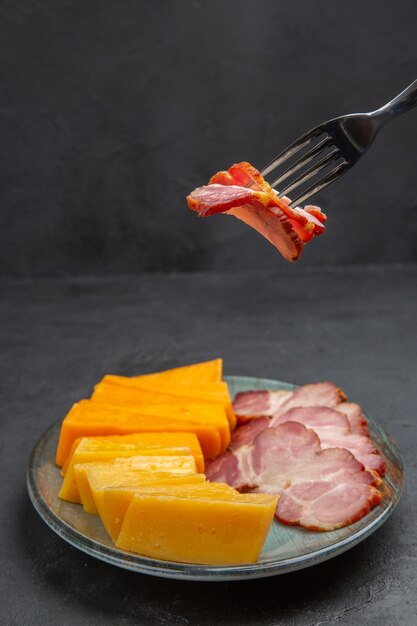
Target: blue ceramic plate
x=286 y=548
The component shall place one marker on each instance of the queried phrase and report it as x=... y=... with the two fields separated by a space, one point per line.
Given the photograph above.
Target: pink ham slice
x=334 y=431
x=332 y=427
x=245 y=434
x=319 y=489
x=357 y=420
x=252 y=404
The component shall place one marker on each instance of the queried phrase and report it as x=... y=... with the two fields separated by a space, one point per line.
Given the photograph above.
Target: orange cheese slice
x=92 y=419
x=218 y=531
x=205 y=413
x=154 y=459
x=175 y=440
x=197 y=373
x=122 y=390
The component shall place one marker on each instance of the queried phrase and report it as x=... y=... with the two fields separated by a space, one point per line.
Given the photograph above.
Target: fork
x=341 y=141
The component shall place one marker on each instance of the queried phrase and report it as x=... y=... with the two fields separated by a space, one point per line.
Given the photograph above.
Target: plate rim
x=189 y=571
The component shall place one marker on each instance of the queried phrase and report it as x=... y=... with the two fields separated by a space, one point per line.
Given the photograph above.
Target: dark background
x=111 y=112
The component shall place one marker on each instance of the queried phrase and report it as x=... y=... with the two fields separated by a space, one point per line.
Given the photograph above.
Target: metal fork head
x=329 y=150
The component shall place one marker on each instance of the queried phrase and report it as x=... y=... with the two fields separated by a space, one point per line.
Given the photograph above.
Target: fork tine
x=329 y=178
x=312 y=171
x=302 y=141
x=325 y=143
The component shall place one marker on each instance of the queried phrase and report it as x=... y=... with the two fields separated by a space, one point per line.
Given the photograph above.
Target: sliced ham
x=243 y=193
x=319 y=489
x=245 y=434
x=249 y=405
x=323 y=420
x=357 y=420
x=332 y=427
x=252 y=404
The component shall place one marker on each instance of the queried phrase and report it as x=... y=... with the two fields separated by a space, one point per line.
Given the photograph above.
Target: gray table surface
x=355 y=326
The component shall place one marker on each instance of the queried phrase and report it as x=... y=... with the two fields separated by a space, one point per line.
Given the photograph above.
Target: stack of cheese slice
x=134 y=455
x=208 y=523
x=174 y=514
x=191 y=399
x=183 y=453
x=94 y=478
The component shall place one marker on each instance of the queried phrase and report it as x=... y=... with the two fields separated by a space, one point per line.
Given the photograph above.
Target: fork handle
x=402 y=103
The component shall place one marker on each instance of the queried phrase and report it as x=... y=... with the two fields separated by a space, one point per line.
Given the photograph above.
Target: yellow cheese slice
x=95 y=476
x=153 y=458
x=132 y=482
x=114 y=501
x=191 y=530
x=175 y=440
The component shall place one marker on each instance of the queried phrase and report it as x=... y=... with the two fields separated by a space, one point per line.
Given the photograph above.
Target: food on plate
x=88 y=418
x=135 y=452
x=243 y=192
x=331 y=426
x=93 y=478
x=124 y=390
x=306 y=429
x=205 y=413
x=319 y=489
x=159 y=440
x=218 y=530
x=153 y=458
x=113 y=500
x=252 y=404
x=197 y=373
x=123 y=409
x=321 y=406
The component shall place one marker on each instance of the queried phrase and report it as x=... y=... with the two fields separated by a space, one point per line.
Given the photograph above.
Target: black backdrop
x=111 y=112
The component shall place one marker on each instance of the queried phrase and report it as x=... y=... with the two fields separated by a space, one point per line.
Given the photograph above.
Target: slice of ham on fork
x=319 y=489
x=243 y=193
